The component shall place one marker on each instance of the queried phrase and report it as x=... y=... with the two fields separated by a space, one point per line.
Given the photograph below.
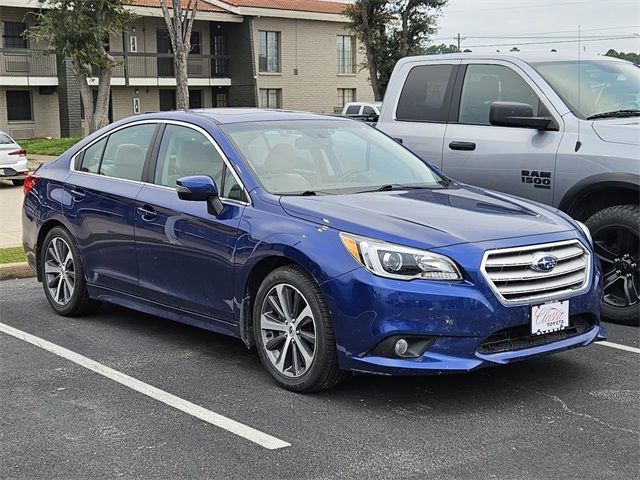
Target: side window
x=183 y=152
x=92 y=156
x=231 y=188
x=126 y=151
x=425 y=93
x=368 y=111
x=353 y=109
x=485 y=84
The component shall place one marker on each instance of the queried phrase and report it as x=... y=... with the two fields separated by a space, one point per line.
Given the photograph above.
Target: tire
x=321 y=371
x=615 y=232
x=66 y=291
x=17 y=183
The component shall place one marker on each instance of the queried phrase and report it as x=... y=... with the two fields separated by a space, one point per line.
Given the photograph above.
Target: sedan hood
x=428 y=218
x=622 y=130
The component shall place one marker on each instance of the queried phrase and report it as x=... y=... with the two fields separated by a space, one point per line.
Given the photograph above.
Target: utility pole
x=459 y=38
x=458 y=42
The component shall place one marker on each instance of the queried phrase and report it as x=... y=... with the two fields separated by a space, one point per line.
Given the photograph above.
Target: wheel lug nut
x=618 y=272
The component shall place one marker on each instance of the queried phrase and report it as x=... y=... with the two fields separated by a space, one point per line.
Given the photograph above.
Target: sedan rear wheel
x=63 y=275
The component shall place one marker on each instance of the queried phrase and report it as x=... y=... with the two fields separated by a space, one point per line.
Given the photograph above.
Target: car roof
x=224 y=116
x=527 y=57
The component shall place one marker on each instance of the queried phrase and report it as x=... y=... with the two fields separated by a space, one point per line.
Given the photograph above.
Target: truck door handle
x=147 y=212
x=462 y=146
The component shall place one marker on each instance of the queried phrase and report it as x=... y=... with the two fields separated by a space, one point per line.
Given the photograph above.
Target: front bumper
x=462 y=316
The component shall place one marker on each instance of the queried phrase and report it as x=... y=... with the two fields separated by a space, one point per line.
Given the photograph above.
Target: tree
x=441 y=49
x=79 y=30
x=179 y=24
x=390 y=30
x=630 y=57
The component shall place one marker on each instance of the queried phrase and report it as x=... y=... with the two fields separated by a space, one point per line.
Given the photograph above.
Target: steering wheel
x=352 y=173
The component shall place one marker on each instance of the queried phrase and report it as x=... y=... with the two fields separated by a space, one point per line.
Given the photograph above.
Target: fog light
x=401 y=347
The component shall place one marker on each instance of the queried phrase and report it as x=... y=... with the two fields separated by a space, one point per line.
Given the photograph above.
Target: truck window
x=425 y=93
x=353 y=109
x=485 y=84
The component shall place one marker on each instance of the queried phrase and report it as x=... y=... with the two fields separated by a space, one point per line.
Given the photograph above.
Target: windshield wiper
x=632 y=112
x=398 y=186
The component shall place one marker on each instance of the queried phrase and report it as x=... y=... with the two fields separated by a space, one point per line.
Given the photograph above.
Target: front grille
x=516 y=338
x=511 y=275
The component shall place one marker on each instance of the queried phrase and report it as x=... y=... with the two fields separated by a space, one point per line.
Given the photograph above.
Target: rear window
x=425 y=94
x=353 y=109
x=5 y=139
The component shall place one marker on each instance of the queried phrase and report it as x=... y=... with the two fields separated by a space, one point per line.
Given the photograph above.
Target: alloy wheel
x=618 y=248
x=288 y=330
x=59 y=271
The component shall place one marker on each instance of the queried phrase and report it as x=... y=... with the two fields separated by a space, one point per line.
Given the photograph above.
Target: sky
x=541 y=21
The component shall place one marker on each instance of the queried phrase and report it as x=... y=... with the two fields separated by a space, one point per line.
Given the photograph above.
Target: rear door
x=102 y=187
x=186 y=255
x=519 y=161
x=419 y=117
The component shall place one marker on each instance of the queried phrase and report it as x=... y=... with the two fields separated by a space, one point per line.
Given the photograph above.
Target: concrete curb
x=10 y=271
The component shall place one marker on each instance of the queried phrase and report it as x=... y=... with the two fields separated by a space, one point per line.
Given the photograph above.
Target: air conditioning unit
x=195 y=68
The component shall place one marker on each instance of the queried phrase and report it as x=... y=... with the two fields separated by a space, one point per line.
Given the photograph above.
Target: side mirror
x=515 y=114
x=200 y=188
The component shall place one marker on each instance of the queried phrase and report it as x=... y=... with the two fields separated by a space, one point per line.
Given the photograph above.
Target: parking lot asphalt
x=575 y=414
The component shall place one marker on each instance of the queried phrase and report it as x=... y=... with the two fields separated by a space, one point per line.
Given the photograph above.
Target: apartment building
x=293 y=54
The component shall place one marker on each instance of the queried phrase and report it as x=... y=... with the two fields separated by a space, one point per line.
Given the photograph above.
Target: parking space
x=571 y=415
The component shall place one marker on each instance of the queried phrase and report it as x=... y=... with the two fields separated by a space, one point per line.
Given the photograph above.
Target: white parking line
x=626 y=348
x=237 y=428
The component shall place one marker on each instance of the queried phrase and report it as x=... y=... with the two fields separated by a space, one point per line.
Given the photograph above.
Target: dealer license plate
x=549 y=317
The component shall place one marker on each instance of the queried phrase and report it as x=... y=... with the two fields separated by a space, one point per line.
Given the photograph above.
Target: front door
x=102 y=191
x=519 y=161
x=186 y=255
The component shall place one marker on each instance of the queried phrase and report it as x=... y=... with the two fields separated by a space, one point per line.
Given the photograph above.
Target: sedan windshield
x=315 y=157
x=595 y=87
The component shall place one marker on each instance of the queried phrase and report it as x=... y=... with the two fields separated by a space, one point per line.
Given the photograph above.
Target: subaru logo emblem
x=544 y=262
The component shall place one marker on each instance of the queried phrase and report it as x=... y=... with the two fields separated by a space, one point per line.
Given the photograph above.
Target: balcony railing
x=161 y=65
x=17 y=62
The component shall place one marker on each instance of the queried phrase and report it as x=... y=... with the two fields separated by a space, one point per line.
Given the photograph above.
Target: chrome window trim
x=168 y=122
x=542 y=297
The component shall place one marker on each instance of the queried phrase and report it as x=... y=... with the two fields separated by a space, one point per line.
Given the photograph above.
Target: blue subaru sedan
x=319 y=240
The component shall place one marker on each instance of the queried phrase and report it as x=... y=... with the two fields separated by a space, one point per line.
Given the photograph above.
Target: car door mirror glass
x=516 y=114
x=200 y=188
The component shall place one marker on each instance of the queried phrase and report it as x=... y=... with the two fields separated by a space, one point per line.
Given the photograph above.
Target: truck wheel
x=617 y=243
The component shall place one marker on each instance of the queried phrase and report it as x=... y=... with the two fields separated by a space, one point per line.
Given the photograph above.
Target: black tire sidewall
x=621 y=215
x=80 y=284
x=325 y=344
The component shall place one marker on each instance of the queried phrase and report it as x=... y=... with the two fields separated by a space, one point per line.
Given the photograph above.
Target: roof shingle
x=315 y=6
x=203 y=6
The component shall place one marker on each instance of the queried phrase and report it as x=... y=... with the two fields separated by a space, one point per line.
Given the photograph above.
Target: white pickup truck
x=551 y=128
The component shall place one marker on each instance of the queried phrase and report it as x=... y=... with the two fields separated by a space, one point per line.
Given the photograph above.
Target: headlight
x=396 y=261
x=586 y=232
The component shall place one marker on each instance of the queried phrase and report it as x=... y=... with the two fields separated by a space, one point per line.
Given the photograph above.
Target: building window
x=13 y=35
x=346 y=56
x=270 y=98
x=19 y=105
x=195 y=43
x=346 y=95
x=269 y=57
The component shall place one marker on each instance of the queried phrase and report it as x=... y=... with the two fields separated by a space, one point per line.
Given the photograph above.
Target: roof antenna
x=578 y=142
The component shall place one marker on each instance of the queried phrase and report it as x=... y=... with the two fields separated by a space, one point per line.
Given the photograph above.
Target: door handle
x=77 y=192
x=147 y=212
x=462 y=146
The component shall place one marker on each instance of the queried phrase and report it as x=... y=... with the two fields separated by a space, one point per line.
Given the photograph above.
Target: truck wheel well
x=42 y=233
x=586 y=204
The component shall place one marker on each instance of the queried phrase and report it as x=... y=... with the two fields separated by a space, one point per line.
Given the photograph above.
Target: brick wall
x=310 y=47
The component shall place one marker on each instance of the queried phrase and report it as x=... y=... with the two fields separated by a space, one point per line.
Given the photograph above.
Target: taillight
x=22 y=152
x=29 y=183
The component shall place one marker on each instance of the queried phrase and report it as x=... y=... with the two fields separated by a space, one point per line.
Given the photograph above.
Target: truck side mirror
x=518 y=115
